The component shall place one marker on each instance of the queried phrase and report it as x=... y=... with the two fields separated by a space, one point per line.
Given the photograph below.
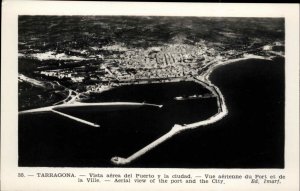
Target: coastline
x=176 y=129
x=222 y=112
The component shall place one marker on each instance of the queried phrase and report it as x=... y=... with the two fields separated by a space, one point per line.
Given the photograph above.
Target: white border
x=9 y=99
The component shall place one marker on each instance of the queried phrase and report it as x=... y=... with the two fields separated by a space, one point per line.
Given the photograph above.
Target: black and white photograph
x=149 y=96
x=151 y=91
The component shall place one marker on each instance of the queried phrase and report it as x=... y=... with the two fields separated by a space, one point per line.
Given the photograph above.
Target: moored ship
x=194 y=97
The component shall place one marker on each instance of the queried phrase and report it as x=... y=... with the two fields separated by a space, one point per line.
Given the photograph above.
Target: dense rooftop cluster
x=92 y=54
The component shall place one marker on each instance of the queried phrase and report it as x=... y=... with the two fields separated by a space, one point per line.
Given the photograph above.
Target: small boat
x=179 y=98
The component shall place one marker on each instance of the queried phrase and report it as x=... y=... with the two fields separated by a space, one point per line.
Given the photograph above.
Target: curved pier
x=222 y=112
